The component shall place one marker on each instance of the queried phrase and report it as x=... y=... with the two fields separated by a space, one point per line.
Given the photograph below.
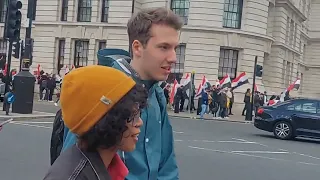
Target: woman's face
x=130 y=136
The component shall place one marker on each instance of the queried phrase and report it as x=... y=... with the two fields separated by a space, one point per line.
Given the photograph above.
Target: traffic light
x=259 y=70
x=16 y=49
x=13 y=20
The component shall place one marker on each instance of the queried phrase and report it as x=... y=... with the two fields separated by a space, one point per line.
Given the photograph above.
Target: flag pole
x=253 y=84
x=191 y=90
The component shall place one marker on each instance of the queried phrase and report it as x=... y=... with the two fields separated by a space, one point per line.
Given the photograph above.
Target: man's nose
x=139 y=123
x=172 y=56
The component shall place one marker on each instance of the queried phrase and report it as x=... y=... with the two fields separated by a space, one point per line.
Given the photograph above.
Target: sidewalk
x=232 y=118
x=17 y=116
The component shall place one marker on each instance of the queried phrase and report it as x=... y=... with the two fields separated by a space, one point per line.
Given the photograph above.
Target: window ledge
x=287 y=47
x=228 y=30
x=68 y=23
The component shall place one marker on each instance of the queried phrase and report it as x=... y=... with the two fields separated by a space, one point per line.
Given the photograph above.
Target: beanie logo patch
x=105 y=100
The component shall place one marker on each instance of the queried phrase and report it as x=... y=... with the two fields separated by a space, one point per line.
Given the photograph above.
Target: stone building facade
x=219 y=37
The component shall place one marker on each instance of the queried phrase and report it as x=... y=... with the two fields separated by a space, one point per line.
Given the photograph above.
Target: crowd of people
x=219 y=101
x=47 y=85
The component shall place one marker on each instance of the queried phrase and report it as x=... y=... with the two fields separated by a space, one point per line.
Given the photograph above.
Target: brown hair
x=139 y=25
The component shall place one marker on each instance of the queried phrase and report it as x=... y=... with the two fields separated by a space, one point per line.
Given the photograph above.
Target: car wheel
x=282 y=130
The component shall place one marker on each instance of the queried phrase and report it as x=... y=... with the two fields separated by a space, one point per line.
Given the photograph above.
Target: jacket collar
x=127 y=68
x=96 y=164
x=116 y=170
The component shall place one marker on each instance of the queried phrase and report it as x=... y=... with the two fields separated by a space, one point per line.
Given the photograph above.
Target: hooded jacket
x=154 y=156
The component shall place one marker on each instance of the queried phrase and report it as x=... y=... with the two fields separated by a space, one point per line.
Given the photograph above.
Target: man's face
x=158 y=56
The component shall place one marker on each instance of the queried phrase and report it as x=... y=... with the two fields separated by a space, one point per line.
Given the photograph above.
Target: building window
x=303 y=4
x=181 y=53
x=178 y=67
x=81 y=53
x=181 y=8
x=102 y=44
x=174 y=76
x=64 y=10
x=291 y=34
x=105 y=11
x=288 y=30
x=3 y=11
x=228 y=62
x=62 y=43
x=301 y=83
x=84 y=11
x=283 y=74
x=232 y=13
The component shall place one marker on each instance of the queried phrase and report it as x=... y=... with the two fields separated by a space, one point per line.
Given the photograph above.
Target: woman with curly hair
x=101 y=105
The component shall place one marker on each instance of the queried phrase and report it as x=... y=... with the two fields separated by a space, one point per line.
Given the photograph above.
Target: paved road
x=205 y=150
x=45 y=106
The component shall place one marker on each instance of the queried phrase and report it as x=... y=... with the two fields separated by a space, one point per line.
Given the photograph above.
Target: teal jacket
x=154 y=157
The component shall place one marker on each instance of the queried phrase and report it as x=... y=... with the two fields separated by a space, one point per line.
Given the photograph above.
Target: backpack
x=44 y=83
x=106 y=57
x=56 y=137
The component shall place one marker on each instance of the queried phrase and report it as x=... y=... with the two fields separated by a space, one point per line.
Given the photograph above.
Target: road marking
x=237 y=142
x=250 y=141
x=35 y=122
x=251 y=155
x=309 y=156
x=178 y=132
x=239 y=139
x=262 y=152
x=30 y=125
x=209 y=141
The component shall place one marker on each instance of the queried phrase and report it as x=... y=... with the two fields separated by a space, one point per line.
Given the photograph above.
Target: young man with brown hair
x=153 y=37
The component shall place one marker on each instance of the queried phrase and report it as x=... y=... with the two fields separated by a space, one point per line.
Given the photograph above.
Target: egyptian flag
x=203 y=85
x=272 y=102
x=295 y=85
x=240 y=80
x=225 y=82
x=173 y=91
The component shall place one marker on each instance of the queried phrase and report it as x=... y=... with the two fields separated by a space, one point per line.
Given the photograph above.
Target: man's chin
x=161 y=78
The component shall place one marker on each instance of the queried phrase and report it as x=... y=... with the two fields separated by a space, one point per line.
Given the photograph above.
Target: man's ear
x=137 y=48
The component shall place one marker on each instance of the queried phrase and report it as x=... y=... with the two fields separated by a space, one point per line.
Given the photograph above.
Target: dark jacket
x=247 y=98
x=204 y=96
x=223 y=100
x=215 y=95
x=74 y=164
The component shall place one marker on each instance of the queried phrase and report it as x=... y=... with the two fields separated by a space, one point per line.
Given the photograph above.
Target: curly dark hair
x=109 y=130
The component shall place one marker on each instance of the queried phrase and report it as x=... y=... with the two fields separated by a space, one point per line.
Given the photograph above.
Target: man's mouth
x=167 y=68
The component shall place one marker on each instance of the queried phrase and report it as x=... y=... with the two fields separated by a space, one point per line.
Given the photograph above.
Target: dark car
x=293 y=118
